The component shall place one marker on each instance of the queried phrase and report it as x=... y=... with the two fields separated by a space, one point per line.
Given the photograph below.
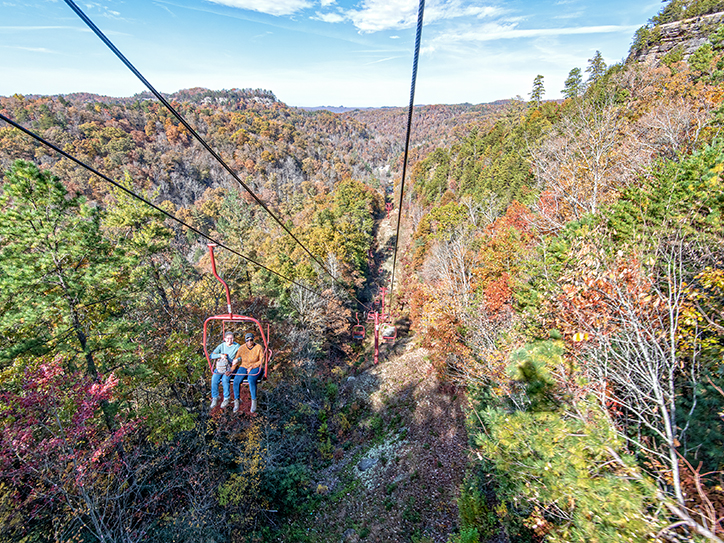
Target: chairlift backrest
x=358 y=330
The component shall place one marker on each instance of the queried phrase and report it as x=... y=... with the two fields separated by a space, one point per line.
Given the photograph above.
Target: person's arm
x=216 y=352
x=235 y=361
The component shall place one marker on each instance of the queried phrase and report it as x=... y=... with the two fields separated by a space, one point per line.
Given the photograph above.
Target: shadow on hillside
x=410 y=459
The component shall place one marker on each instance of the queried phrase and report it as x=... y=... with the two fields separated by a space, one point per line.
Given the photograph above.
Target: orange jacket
x=249 y=358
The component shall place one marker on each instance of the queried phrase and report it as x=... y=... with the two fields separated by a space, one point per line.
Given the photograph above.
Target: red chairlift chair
x=232 y=318
x=358 y=330
x=388 y=332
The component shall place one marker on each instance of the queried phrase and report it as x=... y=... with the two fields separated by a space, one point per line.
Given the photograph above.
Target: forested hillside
x=557 y=372
x=433 y=126
x=281 y=151
x=105 y=391
x=566 y=269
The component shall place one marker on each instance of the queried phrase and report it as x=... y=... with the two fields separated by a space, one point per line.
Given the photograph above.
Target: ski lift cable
x=196 y=135
x=154 y=206
x=418 y=38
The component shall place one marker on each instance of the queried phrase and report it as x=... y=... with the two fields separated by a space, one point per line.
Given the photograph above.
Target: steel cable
x=418 y=37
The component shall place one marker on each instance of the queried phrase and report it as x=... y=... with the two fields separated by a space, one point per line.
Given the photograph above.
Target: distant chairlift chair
x=358 y=330
x=388 y=332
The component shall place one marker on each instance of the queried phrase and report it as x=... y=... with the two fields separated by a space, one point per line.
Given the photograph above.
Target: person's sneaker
x=224 y=403
x=236 y=406
x=253 y=406
x=214 y=401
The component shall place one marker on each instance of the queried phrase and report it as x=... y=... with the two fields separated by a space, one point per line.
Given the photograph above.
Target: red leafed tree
x=631 y=311
x=62 y=472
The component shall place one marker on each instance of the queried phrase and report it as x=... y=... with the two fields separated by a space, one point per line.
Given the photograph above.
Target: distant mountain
x=335 y=109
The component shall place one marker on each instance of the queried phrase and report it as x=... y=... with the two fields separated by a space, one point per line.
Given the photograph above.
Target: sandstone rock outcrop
x=688 y=34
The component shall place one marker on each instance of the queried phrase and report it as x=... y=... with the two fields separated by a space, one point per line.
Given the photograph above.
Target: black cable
x=154 y=206
x=418 y=37
x=195 y=134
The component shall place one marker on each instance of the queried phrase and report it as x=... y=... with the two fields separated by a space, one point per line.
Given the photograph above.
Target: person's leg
x=238 y=378
x=226 y=381
x=215 y=378
x=254 y=375
x=227 y=393
x=241 y=374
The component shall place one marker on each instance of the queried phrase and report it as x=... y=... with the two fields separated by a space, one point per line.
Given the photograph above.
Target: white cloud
x=10 y=28
x=493 y=31
x=276 y=7
x=73 y=28
x=381 y=60
x=325 y=3
x=452 y=9
x=31 y=49
x=570 y=15
x=166 y=8
x=378 y=15
x=330 y=17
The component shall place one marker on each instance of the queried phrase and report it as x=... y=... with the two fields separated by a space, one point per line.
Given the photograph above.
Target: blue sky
x=314 y=52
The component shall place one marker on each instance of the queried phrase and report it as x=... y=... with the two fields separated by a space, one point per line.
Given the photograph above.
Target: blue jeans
x=253 y=376
x=225 y=380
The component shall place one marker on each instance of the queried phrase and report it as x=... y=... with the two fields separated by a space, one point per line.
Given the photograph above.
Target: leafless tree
x=584 y=161
x=310 y=307
x=484 y=212
x=672 y=127
x=450 y=267
x=637 y=365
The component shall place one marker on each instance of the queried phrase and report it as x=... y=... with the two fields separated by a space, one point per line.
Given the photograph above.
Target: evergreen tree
x=596 y=67
x=573 y=84
x=141 y=232
x=536 y=95
x=59 y=278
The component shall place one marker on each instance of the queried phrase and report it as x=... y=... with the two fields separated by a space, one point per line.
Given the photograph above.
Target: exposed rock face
x=366 y=463
x=690 y=34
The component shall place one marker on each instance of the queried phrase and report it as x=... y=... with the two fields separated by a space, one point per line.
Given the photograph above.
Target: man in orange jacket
x=250 y=362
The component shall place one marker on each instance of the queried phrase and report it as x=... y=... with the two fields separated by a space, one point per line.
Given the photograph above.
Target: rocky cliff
x=651 y=44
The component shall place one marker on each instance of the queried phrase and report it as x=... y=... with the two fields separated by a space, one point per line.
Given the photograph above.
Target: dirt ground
x=402 y=484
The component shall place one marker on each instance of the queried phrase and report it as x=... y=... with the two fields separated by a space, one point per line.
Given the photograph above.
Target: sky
x=352 y=53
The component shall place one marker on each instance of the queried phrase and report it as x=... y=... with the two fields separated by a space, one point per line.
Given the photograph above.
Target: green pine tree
x=596 y=68
x=62 y=284
x=536 y=95
x=573 y=84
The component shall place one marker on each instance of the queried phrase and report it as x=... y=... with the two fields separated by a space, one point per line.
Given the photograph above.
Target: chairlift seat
x=388 y=332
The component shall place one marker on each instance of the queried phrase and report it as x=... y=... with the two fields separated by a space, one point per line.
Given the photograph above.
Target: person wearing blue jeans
x=251 y=367
x=225 y=356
